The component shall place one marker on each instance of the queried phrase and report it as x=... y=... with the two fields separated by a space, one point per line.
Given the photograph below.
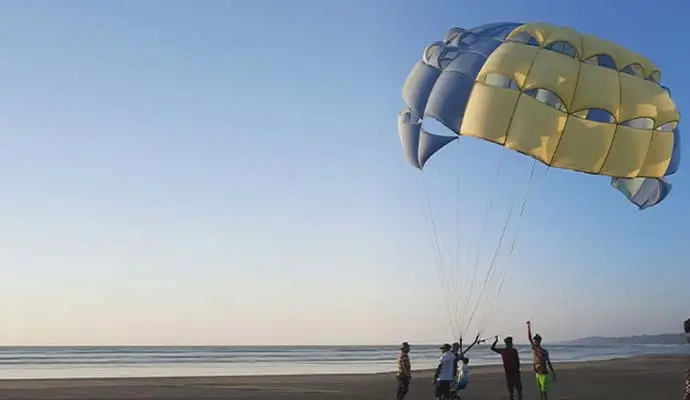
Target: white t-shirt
x=464 y=373
x=447 y=362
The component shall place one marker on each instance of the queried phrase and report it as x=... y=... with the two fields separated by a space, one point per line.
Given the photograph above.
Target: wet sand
x=639 y=378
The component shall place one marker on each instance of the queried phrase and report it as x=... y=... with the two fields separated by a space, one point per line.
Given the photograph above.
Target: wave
x=22 y=362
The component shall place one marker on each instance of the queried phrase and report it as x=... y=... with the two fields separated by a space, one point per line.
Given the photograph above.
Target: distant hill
x=667 y=338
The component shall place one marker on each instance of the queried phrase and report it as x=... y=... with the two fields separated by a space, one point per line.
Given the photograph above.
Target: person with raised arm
x=541 y=360
x=511 y=365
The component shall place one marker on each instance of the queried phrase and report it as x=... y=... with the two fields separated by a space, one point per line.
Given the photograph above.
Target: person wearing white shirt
x=445 y=373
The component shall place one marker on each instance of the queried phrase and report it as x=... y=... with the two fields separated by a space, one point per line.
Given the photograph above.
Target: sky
x=229 y=172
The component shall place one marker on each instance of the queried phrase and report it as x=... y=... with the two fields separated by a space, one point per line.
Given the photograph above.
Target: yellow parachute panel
x=559 y=133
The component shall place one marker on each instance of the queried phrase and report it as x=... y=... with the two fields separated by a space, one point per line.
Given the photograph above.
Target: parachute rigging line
x=458 y=271
x=492 y=305
x=485 y=217
x=491 y=270
x=438 y=257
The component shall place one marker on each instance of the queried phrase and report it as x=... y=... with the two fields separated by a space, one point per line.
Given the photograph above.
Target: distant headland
x=666 y=338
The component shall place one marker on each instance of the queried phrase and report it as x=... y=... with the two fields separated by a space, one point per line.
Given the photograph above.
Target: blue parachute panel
x=430 y=144
x=642 y=192
x=449 y=98
x=440 y=86
x=675 y=155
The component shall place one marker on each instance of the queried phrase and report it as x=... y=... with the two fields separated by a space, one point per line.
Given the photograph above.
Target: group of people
x=452 y=373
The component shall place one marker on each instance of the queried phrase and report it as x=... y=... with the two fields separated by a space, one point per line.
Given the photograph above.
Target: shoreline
x=160 y=362
x=638 y=378
x=478 y=369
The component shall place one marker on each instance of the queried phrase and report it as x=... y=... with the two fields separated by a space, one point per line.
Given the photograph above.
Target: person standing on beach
x=459 y=354
x=462 y=379
x=404 y=371
x=445 y=373
x=540 y=357
x=511 y=365
x=686 y=327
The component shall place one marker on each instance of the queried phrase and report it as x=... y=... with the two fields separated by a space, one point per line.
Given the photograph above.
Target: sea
x=158 y=361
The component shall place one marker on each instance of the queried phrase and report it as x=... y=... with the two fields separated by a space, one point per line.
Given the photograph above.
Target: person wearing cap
x=404 y=371
x=686 y=326
x=540 y=357
x=445 y=373
x=511 y=365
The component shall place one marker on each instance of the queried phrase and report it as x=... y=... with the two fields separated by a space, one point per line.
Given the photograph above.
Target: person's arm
x=438 y=369
x=406 y=366
x=493 y=346
x=476 y=340
x=529 y=333
x=548 y=362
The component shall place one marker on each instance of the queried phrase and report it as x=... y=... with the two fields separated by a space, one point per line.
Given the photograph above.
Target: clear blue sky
x=230 y=172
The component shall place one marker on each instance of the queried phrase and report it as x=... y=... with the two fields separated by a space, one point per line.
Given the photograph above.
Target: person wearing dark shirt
x=511 y=365
x=404 y=371
x=686 y=327
x=541 y=360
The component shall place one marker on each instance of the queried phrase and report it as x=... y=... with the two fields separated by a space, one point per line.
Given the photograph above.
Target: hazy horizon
x=230 y=173
x=517 y=340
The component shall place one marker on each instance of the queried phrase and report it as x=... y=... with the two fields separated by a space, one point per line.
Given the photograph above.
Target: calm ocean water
x=62 y=362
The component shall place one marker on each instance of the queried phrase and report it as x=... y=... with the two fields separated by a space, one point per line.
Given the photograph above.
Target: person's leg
x=545 y=387
x=511 y=386
x=541 y=385
x=459 y=387
x=446 y=390
x=518 y=385
x=438 y=390
x=403 y=387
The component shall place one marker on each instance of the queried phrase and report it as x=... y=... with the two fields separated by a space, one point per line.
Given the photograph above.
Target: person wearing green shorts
x=540 y=357
x=543 y=383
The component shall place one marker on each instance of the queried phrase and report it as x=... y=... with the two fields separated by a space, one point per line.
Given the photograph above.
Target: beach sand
x=639 y=378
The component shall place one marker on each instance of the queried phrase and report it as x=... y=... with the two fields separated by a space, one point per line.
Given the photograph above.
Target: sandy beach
x=638 y=378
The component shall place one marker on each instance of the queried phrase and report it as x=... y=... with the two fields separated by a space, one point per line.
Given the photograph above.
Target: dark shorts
x=443 y=389
x=403 y=383
x=514 y=382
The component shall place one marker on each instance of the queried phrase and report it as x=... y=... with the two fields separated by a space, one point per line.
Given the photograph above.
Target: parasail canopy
x=569 y=100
